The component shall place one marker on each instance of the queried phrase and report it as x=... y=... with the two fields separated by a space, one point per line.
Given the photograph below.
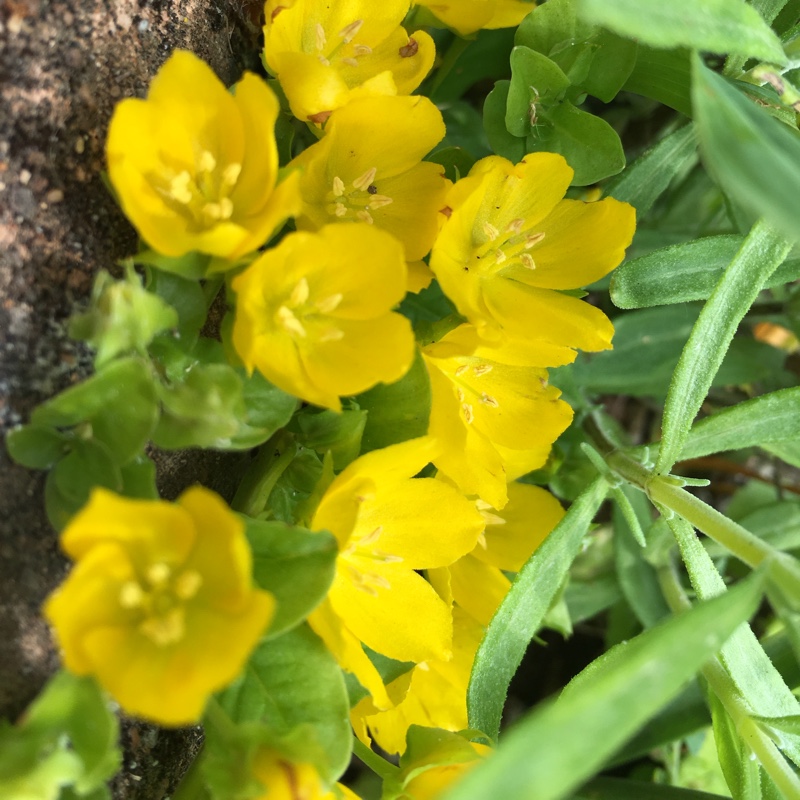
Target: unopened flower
x=160 y=606
x=389 y=525
x=325 y=54
x=285 y=779
x=196 y=167
x=511 y=244
x=314 y=315
x=469 y=16
x=369 y=167
x=485 y=401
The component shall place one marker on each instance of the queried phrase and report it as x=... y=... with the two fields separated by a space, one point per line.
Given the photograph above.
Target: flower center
x=299 y=313
x=158 y=601
x=203 y=198
x=326 y=50
x=508 y=248
x=359 y=201
x=360 y=557
x=468 y=393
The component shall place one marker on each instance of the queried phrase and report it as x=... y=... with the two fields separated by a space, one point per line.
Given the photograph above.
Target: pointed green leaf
x=606 y=704
x=494 y=123
x=524 y=607
x=718 y=26
x=762 y=252
x=36 y=446
x=754 y=157
x=535 y=81
x=663 y=75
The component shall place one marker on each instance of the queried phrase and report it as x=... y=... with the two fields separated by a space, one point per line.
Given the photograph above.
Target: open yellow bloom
x=160 y=606
x=511 y=242
x=485 y=403
x=469 y=16
x=325 y=54
x=195 y=167
x=284 y=779
x=369 y=167
x=314 y=316
x=389 y=525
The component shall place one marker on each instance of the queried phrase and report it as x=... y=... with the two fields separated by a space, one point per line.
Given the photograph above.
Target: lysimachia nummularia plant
x=499 y=281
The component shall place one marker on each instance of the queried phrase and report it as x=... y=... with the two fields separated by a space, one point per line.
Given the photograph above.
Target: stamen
x=490 y=230
x=533 y=239
x=164 y=630
x=340 y=209
x=348 y=33
x=527 y=261
x=131 y=595
x=188 y=584
x=423 y=665
x=158 y=574
x=225 y=208
x=461 y=370
x=179 y=187
x=328 y=304
x=468 y=414
x=482 y=369
x=482 y=541
x=212 y=211
x=515 y=226
x=492 y=519
x=331 y=335
x=351 y=62
x=365 y=216
x=290 y=322
x=206 y=162
x=460 y=394
x=500 y=256
x=231 y=174
x=338 y=187
x=324 y=61
x=362 y=49
x=299 y=294
x=372 y=537
x=365 y=180
x=321 y=38
x=379 y=201
x=488 y=400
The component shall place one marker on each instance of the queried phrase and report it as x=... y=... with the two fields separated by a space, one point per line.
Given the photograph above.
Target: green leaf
x=589 y=144
x=535 y=81
x=457 y=162
x=36 y=446
x=295 y=564
x=292 y=684
x=663 y=75
x=552 y=27
x=119 y=403
x=649 y=176
x=762 y=252
x=683 y=273
x=139 y=479
x=190 y=266
x=186 y=297
x=68 y=737
x=606 y=704
x=739 y=769
x=611 y=66
x=755 y=158
x=494 y=123
x=788 y=451
x=524 y=607
x=398 y=411
x=718 y=26
x=770 y=418
x=267 y=409
x=388 y=668
x=339 y=433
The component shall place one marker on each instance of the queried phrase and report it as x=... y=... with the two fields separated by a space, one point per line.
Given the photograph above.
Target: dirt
x=63 y=66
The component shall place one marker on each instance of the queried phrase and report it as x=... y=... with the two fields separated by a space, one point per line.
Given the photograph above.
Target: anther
x=321 y=39
x=492 y=519
x=362 y=49
x=164 y=630
x=207 y=162
x=231 y=174
x=515 y=226
x=361 y=183
x=482 y=369
x=461 y=370
x=299 y=294
x=488 y=400
x=500 y=256
x=328 y=304
x=331 y=335
x=527 y=261
x=338 y=187
x=131 y=595
x=372 y=537
x=158 y=574
x=379 y=201
x=533 y=239
x=325 y=63
x=289 y=321
x=490 y=230
x=365 y=216
x=340 y=209
x=351 y=62
x=351 y=30
x=468 y=414
x=188 y=584
x=482 y=540
x=179 y=187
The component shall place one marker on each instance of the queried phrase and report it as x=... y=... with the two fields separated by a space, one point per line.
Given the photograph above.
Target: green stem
x=380 y=766
x=257 y=485
x=722 y=685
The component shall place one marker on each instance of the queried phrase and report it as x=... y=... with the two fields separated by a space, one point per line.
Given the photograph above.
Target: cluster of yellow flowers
x=159 y=586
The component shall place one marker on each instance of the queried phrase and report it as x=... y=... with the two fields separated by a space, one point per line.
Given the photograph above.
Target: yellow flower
x=469 y=16
x=284 y=779
x=314 y=316
x=369 y=167
x=484 y=403
x=326 y=54
x=510 y=243
x=436 y=696
x=476 y=582
x=389 y=525
x=195 y=167
x=160 y=606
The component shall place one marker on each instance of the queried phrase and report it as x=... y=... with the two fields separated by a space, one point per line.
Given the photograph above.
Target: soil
x=63 y=66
